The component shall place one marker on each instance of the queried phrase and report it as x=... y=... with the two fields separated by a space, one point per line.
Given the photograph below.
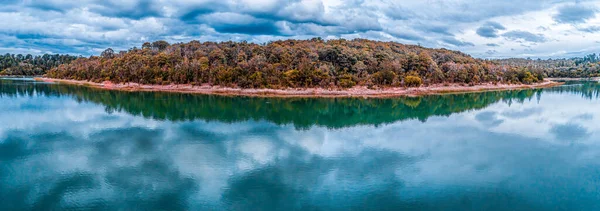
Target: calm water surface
x=68 y=147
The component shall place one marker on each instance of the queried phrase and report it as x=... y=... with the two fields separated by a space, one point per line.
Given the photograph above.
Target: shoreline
x=574 y=79
x=357 y=91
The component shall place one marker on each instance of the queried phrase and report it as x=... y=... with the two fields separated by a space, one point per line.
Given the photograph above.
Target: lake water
x=69 y=147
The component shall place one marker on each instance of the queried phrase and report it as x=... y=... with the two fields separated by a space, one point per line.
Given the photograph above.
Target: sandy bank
x=574 y=79
x=358 y=91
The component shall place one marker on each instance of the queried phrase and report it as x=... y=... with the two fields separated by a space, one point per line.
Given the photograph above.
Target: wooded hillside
x=28 y=65
x=587 y=66
x=291 y=63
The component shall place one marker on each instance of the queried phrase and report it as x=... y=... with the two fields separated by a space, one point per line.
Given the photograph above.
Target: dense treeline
x=291 y=63
x=584 y=67
x=324 y=112
x=19 y=64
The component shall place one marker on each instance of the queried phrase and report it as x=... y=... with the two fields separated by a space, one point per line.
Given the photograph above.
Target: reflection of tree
x=302 y=112
x=588 y=90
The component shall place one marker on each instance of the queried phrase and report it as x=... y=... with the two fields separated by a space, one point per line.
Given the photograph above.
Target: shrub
x=224 y=77
x=292 y=78
x=346 y=81
x=385 y=77
x=528 y=78
x=412 y=81
x=257 y=80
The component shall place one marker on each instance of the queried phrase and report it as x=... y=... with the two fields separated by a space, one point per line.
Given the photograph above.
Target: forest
x=580 y=67
x=28 y=65
x=292 y=64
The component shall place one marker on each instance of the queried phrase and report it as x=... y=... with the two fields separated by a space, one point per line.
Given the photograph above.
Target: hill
x=292 y=63
x=584 y=67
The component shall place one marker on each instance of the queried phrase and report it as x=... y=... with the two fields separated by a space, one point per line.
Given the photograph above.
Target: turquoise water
x=70 y=147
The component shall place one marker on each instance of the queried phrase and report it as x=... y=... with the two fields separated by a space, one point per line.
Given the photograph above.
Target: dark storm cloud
x=574 y=14
x=490 y=29
x=524 y=36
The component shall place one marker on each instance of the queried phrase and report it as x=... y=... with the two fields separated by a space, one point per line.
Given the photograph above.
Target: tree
x=160 y=45
x=385 y=77
x=109 y=53
x=146 y=45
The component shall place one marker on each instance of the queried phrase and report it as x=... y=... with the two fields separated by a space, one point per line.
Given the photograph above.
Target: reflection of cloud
x=489 y=118
x=586 y=116
x=56 y=158
x=520 y=114
x=259 y=151
x=569 y=132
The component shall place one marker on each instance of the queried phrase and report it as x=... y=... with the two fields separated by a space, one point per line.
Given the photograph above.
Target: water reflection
x=589 y=90
x=301 y=112
x=65 y=147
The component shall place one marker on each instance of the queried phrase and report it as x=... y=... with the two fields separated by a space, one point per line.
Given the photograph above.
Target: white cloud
x=451 y=24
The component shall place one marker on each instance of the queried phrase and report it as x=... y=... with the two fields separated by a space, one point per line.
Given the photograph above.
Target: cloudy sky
x=482 y=28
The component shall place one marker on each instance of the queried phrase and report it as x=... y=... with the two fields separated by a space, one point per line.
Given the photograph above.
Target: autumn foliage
x=290 y=63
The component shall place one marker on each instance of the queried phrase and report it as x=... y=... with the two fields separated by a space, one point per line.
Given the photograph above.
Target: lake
x=78 y=148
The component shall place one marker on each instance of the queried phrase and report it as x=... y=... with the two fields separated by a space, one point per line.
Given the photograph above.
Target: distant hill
x=588 y=66
x=28 y=65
